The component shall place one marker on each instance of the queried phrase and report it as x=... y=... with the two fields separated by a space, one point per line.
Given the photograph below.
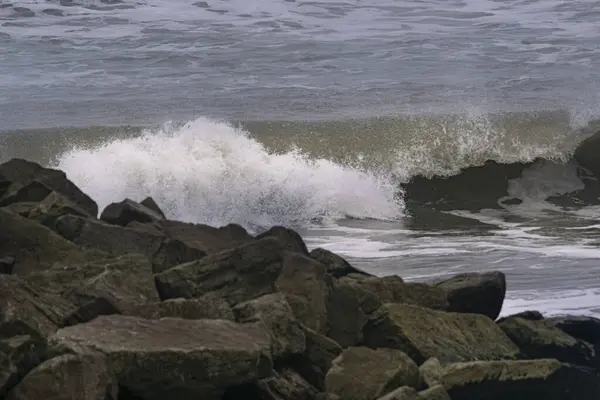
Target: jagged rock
x=423 y=333
x=436 y=392
x=546 y=379
x=239 y=275
x=336 y=265
x=22 y=209
x=26 y=192
x=18 y=355
x=538 y=340
x=6 y=265
x=20 y=173
x=288 y=237
x=580 y=327
x=529 y=315
x=66 y=377
x=287 y=334
x=163 y=252
x=205 y=307
x=327 y=396
x=346 y=315
x=480 y=293
x=306 y=285
x=90 y=310
x=52 y=207
x=402 y=393
x=286 y=384
x=360 y=373
x=127 y=211
x=149 y=202
x=26 y=310
x=317 y=358
x=171 y=357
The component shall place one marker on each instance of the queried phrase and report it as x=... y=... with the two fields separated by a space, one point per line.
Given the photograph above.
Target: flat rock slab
x=423 y=333
x=18 y=355
x=171 y=357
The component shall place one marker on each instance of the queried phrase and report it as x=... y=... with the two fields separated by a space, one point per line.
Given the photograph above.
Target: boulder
x=436 y=392
x=149 y=203
x=7 y=264
x=66 y=377
x=479 y=293
x=290 y=239
x=19 y=173
x=546 y=379
x=89 y=310
x=336 y=265
x=163 y=252
x=239 y=274
x=346 y=306
x=402 y=393
x=286 y=384
x=306 y=286
x=172 y=357
x=423 y=333
x=538 y=340
x=580 y=327
x=318 y=356
x=26 y=192
x=529 y=315
x=360 y=373
x=287 y=334
x=52 y=207
x=18 y=356
x=205 y=307
x=127 y=211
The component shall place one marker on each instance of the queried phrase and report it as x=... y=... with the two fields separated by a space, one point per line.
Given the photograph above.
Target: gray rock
x=205 y=307
x=336 y=265
x=127 y=211
x=18 y=356
x=580 y=327
x=149 y=202
x=290 y=239
x=317 y=358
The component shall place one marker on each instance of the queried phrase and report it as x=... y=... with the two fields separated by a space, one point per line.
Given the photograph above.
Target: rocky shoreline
x=133 y=306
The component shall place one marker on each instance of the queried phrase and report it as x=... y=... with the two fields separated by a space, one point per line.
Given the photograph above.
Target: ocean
x=417 y=138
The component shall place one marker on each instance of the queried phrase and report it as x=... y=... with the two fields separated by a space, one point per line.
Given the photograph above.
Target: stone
x=149 y=203
x=27 y=192
x=360 y=373
x=580 y=327
x=18 y=356
x=346 y=316
x=402 y=393
x=538 y=340
x=286 y=384
x=436 y=392
x=529 y=315
x=546 y=379
x=54 y=206
x=238 y=275
x=479 y=293
x=287 y=334
x=290 y=239
x=205 y=307
x=306 y=286
x=336 y=266
x=90 y=310
x=127 y=211
x=317 y=358
x=423 y=333
x=20 y=172
x=7 y=264
x=66 y=377
x=171 y=357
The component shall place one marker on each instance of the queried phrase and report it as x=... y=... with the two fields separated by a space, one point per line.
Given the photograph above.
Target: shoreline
x=140 y=307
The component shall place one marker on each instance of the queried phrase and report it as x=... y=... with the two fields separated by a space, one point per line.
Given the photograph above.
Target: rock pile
x=133 y=306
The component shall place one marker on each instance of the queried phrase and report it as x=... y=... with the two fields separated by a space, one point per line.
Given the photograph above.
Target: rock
x=205 y=307
x=171 y=357
x=287 y=384
x=20 y=172
x=346 y=315
x=22 y=209
x=52 y=207
x=436 y=392
x=336 y=265
x=161 y=251
x=476 y=293
x=580 y=327
x=149 y=203
x=26 y=310
x=18 y=356
x=287 y=335
x=127 y=211
x=318 y=356
x=529 y=315
x=66 y=377
x=6 y=265
x=423 y=333
x=516 y=380
x=289 y=238
x=360 y=373
x=90 y=310
x=402 y=393
x=27 y=192
x=327 y=396
x=306 y=285
x=239 y=275
x=538 y=340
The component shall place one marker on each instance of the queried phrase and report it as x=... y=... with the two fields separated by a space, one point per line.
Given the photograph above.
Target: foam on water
x=210 y=172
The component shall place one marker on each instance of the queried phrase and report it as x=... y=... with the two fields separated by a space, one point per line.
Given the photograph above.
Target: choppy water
x=333 y=117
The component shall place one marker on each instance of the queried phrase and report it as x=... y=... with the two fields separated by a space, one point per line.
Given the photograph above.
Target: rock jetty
x=133 y=306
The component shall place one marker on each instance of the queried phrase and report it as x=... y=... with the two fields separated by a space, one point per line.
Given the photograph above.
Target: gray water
x=315 y=114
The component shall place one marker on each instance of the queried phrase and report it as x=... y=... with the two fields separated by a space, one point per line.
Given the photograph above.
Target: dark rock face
x=476 y=293
x=149 y=203
x=6 y=265
x=583 y=328
x=18 y=356
x=289 y=238
x=54 y=206
x=205 y=307
x=336 y=265
x=530 y=315
x=318 y=356
x=128 y=211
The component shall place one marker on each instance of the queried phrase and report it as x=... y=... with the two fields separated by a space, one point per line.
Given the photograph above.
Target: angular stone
x=66 y=377
x=318 y=356
x=127 y=211
x=402 y=393
x=423 y=333
x=205 y=307
x=90 y=310
x=360 y=373
x=149 y=202
x=580 y=327
x=479 y=293
x=239 y=275
x=530 y=315
x=6 y=265
x=287 y=335
x=27 y=192
x=290 y=239
x=546 y=379
x=336 y=265
x=346 y=315
x=171 y=357
x=286 y=384
x=18 y=356
x=538 y=340
x=306 y=285
x=20 y=172
x=54 y=206
x=436 y=392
